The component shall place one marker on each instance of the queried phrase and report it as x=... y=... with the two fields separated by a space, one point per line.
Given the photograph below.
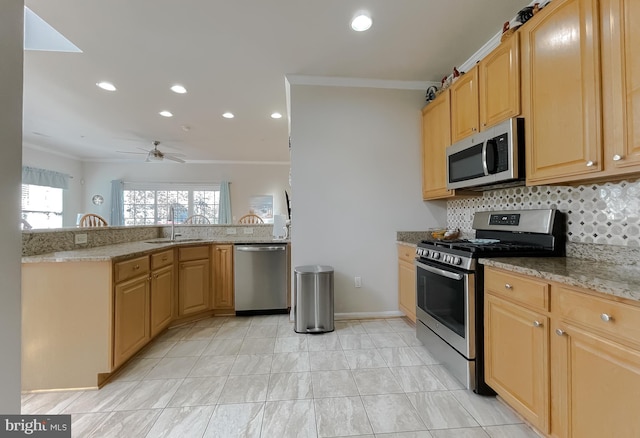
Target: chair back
x=197 y=219
x=250 y=219
x=92 y=220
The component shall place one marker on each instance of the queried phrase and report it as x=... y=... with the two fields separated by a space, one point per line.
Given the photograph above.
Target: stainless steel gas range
x=450 y=281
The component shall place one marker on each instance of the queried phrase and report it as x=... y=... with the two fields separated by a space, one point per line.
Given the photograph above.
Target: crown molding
x=334 y=81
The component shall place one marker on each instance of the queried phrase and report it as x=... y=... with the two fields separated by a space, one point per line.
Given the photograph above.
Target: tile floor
x=256 y=377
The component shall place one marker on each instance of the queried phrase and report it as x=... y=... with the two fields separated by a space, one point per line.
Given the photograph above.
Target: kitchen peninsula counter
x=121 y=251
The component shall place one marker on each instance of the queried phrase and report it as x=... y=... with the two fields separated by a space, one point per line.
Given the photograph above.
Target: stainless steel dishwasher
x=260 y=278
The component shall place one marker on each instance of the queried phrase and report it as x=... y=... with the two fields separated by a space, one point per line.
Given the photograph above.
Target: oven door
x=446 y=304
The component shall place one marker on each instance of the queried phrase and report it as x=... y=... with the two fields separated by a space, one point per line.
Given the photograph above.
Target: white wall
x=73 y=197
x=246 y=180
x=11 y=31
x=356 y=180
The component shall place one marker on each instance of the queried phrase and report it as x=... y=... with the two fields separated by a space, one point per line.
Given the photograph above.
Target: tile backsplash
x=607 y=213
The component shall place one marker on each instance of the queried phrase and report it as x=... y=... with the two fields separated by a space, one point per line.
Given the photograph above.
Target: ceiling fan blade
x=136 y=153
x=174 y=158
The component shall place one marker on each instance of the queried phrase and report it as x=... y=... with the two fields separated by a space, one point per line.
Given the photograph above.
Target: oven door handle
x=441 y=272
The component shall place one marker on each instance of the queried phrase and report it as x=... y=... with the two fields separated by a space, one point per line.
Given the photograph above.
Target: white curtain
x=42 y=177
x=224 y=215
x=117 y=202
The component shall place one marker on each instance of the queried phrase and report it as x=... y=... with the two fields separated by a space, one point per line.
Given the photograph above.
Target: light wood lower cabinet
x=131 y=318
x=223 y=296
x=194 y=284
x=161 y=299
x=571 y=371
x=407 y=281
x=517 y=343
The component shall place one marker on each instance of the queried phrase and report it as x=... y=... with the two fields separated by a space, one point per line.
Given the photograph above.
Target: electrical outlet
x=80 y=238
x=231 y=231
x=248 y=230
x=358 y=281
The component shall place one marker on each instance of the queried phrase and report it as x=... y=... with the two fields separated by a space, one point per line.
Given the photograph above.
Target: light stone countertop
x=127 y=250
x=612 y=279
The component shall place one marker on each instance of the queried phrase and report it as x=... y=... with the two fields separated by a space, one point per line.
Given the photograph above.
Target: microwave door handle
x=441 y=272
x=484 y=158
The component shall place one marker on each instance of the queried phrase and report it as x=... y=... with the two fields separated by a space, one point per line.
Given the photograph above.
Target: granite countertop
x=613 y=279
x=120 y=251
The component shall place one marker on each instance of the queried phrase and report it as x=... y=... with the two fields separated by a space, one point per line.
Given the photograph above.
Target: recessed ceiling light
x=361 y=22
x=106 y=86
x=276 y=116
x=228 y=115
x=165 y=113
x=178 y=89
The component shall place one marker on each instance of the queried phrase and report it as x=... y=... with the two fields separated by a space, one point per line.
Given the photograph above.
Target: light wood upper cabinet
x=407 y=281
x=621 y=85
x=561 y=92
x=436 y=136
x=464 y=106
x=223 y=277
x=131 y=318
x=499 y=83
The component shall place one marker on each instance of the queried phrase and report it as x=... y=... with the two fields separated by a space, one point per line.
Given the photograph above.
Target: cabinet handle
x=164 y=259
x=473 y=129
x=136 y=267
x=591 y=163
x=537 y=324
x=560 y=332
x=617 y=157
x=606 y=318
x=508 y=286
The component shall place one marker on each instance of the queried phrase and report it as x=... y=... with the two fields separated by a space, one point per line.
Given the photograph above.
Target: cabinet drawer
x=607 y=316
x=517 y=288
x=161 y=259
x=406 y=253
x=131 y=268
x=193 y=253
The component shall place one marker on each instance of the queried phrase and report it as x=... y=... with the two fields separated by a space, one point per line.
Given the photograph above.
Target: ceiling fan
x=156 y=154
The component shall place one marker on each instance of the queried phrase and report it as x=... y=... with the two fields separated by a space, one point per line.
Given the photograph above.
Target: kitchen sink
x=163 y=241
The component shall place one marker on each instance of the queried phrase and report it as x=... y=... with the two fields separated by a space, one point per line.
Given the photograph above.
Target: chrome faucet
x=172 y=216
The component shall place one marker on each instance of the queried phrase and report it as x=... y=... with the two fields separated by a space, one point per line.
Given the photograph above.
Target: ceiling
x=231 y=56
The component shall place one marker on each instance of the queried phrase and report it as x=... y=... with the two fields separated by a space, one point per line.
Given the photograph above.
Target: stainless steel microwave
x=491 y=158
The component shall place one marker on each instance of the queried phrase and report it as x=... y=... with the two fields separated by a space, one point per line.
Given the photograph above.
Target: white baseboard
x=368 y=315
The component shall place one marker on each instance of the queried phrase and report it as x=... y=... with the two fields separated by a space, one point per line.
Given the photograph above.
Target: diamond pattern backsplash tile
x=606 y=213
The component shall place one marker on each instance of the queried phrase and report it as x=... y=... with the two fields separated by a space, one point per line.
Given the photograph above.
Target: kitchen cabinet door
x=407 y=281
x=596 y=385
x=465 y=117
x=621 y=85
x=161 y=299
x=436 y=136
x=131 y=318
x=499 y=83
x=193 y=285
x=561 y=92
x=517 y=358
x=223 y=277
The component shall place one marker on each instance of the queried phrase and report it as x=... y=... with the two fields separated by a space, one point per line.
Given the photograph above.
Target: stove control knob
x=447 y=259
x=457 y=260
x=419 y=252
x=435 y=255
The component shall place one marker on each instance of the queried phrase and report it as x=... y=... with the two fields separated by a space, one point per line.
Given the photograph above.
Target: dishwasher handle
x=260 y=248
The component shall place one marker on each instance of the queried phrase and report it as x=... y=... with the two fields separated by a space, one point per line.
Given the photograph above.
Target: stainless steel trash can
x=313 y=287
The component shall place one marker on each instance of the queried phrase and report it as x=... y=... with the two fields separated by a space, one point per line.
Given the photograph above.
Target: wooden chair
x=250 y=219
x=92 y=220
x=197 y=219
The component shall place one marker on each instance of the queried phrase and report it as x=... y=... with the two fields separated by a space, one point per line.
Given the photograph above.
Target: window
x=149 y=203
x=42 y=206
